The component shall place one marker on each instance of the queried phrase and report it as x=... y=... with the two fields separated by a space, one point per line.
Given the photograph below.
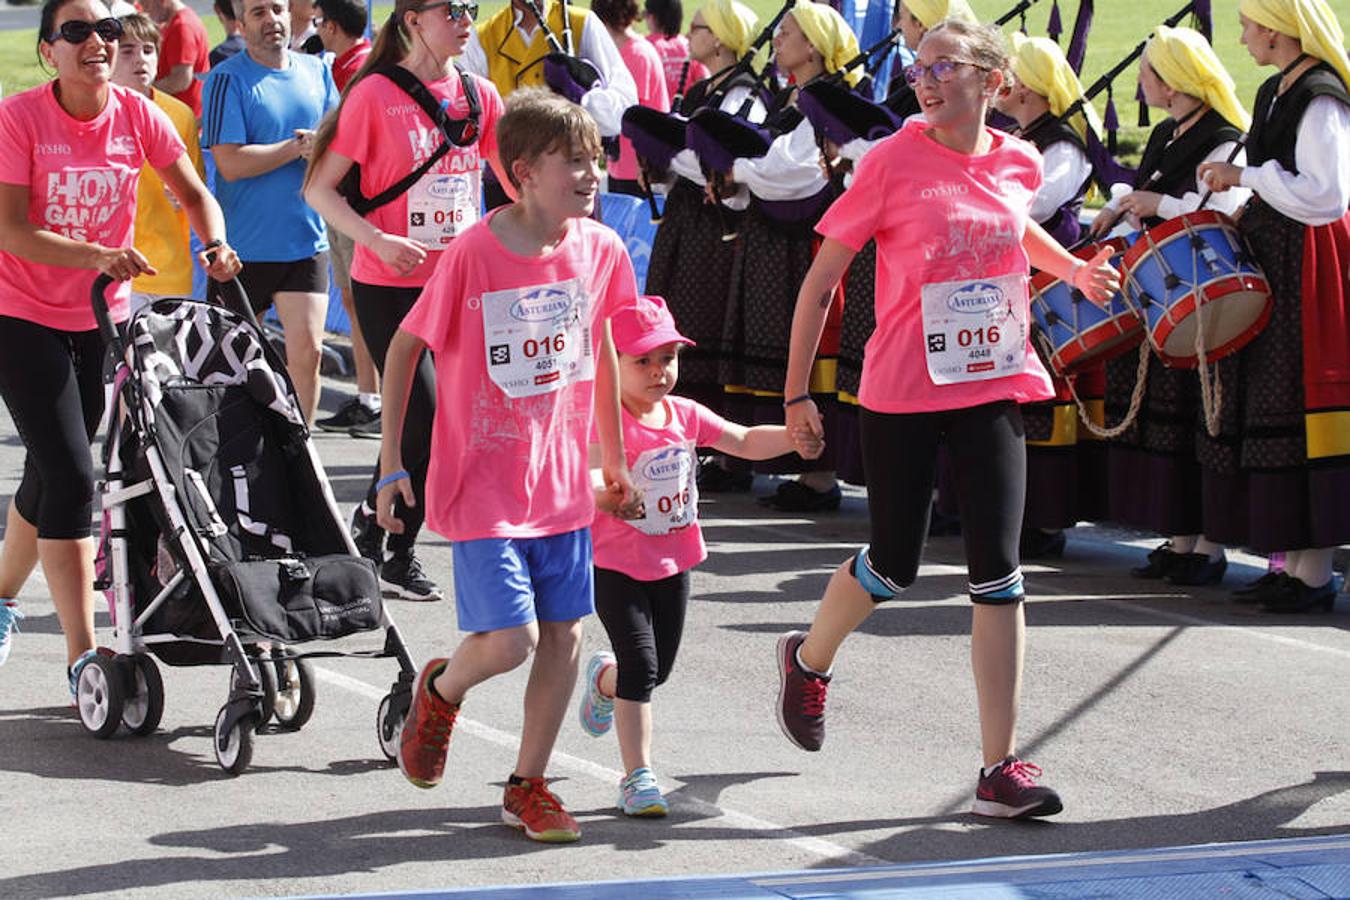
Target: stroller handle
x=100 y=304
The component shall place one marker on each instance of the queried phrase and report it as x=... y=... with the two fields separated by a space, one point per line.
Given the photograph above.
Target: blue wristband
x=391 y=478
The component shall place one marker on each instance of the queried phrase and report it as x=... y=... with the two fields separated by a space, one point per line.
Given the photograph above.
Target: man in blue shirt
x=259 y=111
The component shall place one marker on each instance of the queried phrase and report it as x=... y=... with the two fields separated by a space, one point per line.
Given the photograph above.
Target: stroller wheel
x=234 y=751
x=144 y=703
x=387 y=732
x=99 y=694
x=294 y=702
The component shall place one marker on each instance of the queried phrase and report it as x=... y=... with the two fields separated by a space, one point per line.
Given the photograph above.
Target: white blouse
x=1320 y=193
x=1064 y=169
x=1227 y=202
x=789 y=171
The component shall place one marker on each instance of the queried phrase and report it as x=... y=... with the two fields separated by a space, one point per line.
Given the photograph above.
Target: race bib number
x=665 y=475
x=441 y=206
x=538 y=339
x=975 y=330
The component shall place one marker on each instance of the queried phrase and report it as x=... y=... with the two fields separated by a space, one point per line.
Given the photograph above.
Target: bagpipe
x=565 y=72
x=839 y=114
x=716 y=137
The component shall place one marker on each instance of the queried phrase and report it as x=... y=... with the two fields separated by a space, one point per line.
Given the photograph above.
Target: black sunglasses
x=455 y=10
x=77 y=31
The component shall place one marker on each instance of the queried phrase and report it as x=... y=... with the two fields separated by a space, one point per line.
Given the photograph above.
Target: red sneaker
x=426 y=733
x=532 y=807
x=801 y=696
x=1011 y=792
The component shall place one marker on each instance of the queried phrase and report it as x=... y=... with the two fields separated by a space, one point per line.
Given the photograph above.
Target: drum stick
x=1237 y=148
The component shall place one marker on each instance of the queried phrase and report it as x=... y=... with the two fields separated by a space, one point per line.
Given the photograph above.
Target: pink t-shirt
x=388 y=134
x=674 y=52
x=513 y=338
x=664 y=465
x=81 y=179
x=645 y=65
x=951 y=299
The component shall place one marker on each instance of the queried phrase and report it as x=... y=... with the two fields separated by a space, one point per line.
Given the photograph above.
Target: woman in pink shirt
x=644 y=63
x=950 y=360
x=383 y=130
x=71 y=153
x=665 y=18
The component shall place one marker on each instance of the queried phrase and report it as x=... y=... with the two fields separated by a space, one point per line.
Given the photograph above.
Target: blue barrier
x=630 y=217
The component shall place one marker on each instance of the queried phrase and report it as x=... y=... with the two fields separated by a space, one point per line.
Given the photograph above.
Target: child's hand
x=618 y=481
x=384 y=502
x=805 y=429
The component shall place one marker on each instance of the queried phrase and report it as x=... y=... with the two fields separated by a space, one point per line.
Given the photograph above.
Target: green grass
x=1118 y=26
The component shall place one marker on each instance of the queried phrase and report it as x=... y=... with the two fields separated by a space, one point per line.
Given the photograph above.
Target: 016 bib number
x=975 y=330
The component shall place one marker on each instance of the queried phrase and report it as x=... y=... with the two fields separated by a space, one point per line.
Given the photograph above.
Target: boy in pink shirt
x=643 y=556
x=516 y=316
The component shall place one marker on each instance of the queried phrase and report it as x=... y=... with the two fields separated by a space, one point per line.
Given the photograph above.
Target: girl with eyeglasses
x=1289 y=389
x=950 y=360
x=71 y=153
x=379 y=127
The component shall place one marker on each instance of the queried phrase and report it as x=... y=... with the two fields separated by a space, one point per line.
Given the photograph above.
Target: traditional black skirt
x=1260 y=488
x=691 y=268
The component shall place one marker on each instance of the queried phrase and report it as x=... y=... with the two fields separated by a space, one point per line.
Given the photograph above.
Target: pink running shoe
x=1011 y=792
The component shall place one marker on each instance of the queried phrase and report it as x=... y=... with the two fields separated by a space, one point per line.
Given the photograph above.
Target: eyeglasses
x=318 y=21
x=943 y=71
x=77 y=31
x=454 y=10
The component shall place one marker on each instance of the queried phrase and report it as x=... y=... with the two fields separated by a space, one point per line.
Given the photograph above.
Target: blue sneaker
x=9 y=624
x=639 y=795
x=597 y=710
x=74 y=671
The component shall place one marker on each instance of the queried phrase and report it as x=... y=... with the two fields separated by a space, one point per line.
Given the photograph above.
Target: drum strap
x=1136 y=400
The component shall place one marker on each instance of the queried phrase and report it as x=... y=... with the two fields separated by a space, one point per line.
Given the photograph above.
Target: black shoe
x=368 y=536
x=1255 y=591
x=1161 y=560
x=713 y=479
x=349 y=415
x=370 y=428
x=401 y=576
x=1038 y=544
x=1293 y=596
x=793 y=496
x=1196 y=570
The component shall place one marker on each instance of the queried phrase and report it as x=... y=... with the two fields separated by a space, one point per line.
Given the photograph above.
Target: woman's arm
x=22 y=238
x=203 y=212
x=395 y=251
x=808 y=321
x=1095 y=278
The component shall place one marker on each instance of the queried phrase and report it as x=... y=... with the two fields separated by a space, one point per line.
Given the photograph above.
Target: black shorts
x=264 y=280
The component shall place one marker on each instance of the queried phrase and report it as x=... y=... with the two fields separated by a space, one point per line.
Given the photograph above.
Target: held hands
x=620 y=491
x=610 y=500
x=399 y=253
x=805 y=429
x=220 y=262
x=1220 y=176
x=123 y=263
x=1096 y=279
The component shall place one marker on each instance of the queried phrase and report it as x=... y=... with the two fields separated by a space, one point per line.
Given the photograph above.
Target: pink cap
x=644 y=326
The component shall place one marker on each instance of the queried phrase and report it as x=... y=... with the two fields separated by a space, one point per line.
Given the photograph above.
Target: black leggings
x=380 y=310
x=52 y=382
x=987 y=448
x=644 y=620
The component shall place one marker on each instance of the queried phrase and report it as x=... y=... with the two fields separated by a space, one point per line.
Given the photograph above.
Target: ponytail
x=390 y=48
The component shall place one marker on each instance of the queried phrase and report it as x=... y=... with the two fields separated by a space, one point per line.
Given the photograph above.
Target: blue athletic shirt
x=266 y=218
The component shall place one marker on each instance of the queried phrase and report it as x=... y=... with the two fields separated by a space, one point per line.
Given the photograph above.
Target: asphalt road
x=1163 y=716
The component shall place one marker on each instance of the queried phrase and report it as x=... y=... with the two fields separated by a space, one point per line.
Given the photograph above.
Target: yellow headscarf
x=830 y=35
x=1311 y=21
x=1040 y=65
x=732 y=23
x=1187 y=63
x=931 y=12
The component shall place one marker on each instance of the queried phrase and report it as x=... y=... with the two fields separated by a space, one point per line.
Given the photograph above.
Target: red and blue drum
x=1191 y=276
x=1075 y=333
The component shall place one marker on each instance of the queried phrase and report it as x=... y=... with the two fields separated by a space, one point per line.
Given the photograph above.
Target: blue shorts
x=507 y=582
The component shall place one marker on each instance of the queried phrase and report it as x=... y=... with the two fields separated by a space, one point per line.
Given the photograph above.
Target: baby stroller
x=222 y=541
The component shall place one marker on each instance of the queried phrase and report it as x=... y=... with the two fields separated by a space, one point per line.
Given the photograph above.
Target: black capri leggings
x=987 y=448
x=52 y=382
x=380 y=310
x=644 y=621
